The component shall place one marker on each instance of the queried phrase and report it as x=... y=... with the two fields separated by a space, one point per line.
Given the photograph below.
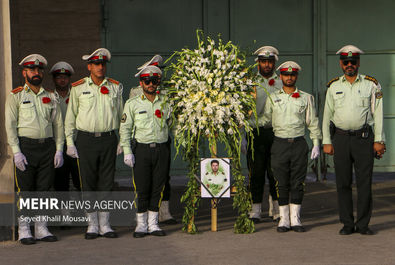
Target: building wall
x=61 y=30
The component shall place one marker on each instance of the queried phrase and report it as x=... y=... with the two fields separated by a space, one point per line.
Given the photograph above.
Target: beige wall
x=6 y=165
x=60 y=30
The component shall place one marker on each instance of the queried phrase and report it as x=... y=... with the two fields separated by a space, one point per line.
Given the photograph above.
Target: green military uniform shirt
x=290 y=114
x=35 y=116
x=141 y=119
x=93 y=108
x=135 y=91
x=62 y=101
x=349 y=105
x=271 y=84
x=215 y=182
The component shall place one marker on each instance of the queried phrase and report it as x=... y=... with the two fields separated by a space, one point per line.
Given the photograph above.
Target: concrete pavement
x=321 y=244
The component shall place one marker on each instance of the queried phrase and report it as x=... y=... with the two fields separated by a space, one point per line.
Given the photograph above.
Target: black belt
x=349 y=132
x=289 y=140
x=35 y=141
x=151 y=145
x=96 y=134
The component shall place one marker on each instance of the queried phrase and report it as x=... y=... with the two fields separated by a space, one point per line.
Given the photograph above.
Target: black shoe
x=255 y=220
x=276 y=220
x=111 y=234
x=298 y=228
x=28 y=241
x=365 y=231
x=49 y=239
x=139 y=234
x=282 y=229
x=346 y=230
x=170 y=221
x=91 y=236
x=158 y=233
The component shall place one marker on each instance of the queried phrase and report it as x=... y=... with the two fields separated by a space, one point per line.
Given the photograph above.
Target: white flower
x=230 y=131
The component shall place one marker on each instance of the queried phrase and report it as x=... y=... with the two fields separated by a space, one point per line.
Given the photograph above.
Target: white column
x=6 y=156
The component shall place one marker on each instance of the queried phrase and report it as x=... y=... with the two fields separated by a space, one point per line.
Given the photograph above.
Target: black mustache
x=36 y=76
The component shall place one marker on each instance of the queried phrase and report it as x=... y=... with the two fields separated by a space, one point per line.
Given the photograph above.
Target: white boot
x=41 y=231
x=141 y=227
x=296 y=225
x=164 y=214
x=270 y=206
x=255 y=213
x=104 y=225
x=276 y=211
x=153 y=227
x=24 y=234
x=284 y=224
x=93 y=226
x=65 y=213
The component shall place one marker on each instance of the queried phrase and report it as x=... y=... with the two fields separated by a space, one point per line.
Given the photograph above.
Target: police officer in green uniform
x=260 y=165
x=93 y=115
x=165 y=216
x=290 y=110
x=145 y=121
x=35 y=133
x=61 y=73
x=354 y=106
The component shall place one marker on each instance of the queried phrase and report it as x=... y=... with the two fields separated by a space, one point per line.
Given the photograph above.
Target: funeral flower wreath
x=212 y=95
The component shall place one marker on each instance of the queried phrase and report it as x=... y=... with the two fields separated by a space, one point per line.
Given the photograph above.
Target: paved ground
x=321 y=244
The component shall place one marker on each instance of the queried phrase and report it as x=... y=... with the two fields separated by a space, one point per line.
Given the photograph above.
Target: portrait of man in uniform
x=215 y=176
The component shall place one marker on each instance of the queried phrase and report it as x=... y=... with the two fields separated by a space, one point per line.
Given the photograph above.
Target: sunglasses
x=154 y=80
x=287 y=73
x=346 y=62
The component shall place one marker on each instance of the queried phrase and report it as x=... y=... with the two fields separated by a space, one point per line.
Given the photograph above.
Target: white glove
x=315 y=152
x=58 y=160
x=129 y=160
x=20 y=161
x=72 y=151
x=244 y=146
x=119 y=150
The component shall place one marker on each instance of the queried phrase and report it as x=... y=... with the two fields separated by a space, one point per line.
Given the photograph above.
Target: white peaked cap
x=34 y=60
x=267 y=52
x=289 y=67
x=101 y=54
x=150 y=70
x=62 y=68
x=156 y=60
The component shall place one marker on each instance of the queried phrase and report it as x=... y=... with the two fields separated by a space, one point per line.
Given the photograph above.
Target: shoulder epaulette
x=79 y=82
x=17 y=90
x=333 y=80
x=113 y=81
x=371 y=78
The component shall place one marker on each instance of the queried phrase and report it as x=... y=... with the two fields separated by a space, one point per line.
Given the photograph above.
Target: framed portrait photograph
x=215 y=177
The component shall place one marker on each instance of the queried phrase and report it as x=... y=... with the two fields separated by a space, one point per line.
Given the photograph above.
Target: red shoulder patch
x=17 y=90
x=113 y=81
x=79 y=82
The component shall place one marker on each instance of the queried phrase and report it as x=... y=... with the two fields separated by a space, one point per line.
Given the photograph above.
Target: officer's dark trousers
x=39 y=173
x=167 y=190
x=62 y=174
x=150 y=173
x=349 y=151
x=260 y=164
x=97 y=160
x=289 y=164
